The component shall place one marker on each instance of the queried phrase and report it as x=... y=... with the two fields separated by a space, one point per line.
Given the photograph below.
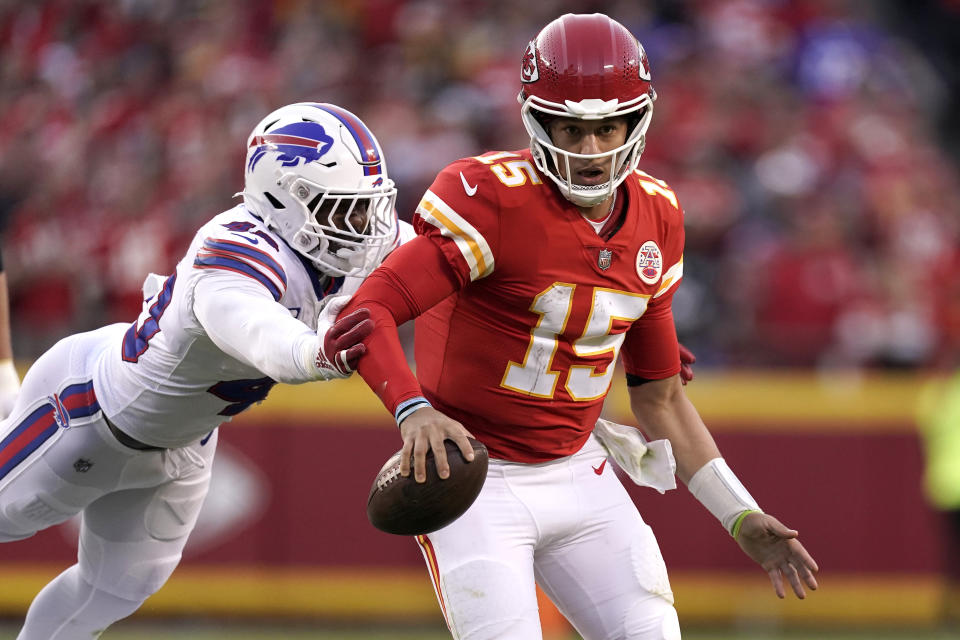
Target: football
x=405 y=507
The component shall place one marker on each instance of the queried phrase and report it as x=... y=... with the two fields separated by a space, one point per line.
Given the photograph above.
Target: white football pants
x=58 y=458
x=567 y=525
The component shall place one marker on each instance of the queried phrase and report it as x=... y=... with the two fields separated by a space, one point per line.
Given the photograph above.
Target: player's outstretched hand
x=776 y=548
x=425 y=430
x=686 y=364
x=340 y=339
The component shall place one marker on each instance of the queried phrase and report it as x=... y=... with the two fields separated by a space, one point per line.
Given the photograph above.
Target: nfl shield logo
x=604 y=259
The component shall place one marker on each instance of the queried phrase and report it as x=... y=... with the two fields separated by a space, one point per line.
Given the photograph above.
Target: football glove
x=339 y=340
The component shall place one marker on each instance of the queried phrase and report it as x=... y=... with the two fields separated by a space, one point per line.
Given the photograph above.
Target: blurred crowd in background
x=812 y=144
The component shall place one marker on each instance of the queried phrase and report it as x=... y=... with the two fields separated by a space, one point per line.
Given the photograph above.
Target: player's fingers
x=686 y=373
x=406 y=455
x=420 y=459
x=777 y=580
x=779 y=529
x=440 y=457
x=354 y=336
x=348 y=323
x=686 y=356
x=460 y=438
x=348 y=359
x=807 y=576
x=802 y=557
x=793 y=578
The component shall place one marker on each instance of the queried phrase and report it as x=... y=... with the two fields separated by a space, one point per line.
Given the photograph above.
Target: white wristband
x=715 y=486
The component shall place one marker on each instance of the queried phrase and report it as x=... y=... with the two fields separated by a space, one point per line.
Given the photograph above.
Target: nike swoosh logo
x=250 y=240
x=599 y=470
x=466 y=186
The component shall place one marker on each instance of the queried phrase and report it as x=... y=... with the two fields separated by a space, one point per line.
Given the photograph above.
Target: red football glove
x=686 y=364
x=340 y=340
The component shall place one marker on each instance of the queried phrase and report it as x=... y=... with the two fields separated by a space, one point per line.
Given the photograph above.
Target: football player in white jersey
x=120 y=423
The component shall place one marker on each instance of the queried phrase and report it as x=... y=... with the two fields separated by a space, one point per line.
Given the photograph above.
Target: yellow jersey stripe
x=471 y=243
x=671 y=277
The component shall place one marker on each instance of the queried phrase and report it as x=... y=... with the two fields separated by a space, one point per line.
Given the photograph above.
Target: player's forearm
x=251 y=327
x=413 y=279
x=384 y=367
x=662 y=410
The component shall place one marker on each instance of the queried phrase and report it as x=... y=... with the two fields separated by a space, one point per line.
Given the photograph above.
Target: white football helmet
x=317 y=176
x=588 y=67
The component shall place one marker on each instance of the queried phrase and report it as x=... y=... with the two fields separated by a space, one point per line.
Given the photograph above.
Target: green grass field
x=135 y=630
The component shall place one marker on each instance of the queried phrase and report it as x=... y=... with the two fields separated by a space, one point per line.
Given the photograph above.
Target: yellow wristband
x=739 y=522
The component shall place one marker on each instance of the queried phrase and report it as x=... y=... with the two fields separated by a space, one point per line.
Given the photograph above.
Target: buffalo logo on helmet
x=529 y=71
x=649 y=262
x=300 y=141
x=604 y=259
x=644 y=63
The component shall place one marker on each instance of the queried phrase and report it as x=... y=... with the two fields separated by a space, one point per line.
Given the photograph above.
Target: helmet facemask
x=554 y=162
x=343 y=232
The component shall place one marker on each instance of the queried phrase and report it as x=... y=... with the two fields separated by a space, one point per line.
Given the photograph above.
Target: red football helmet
x=588 y=67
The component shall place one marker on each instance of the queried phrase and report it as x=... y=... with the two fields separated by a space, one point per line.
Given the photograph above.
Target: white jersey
x=217 y=335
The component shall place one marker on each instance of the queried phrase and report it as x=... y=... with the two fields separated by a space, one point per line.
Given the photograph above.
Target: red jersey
x=524 y=353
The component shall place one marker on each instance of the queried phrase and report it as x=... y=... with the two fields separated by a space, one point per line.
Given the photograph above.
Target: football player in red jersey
x=532 y=271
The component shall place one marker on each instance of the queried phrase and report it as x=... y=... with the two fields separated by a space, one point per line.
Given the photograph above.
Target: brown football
x=405 y=507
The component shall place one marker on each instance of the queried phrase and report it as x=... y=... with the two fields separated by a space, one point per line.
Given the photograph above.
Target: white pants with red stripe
x=58 y=458
x=561 y=525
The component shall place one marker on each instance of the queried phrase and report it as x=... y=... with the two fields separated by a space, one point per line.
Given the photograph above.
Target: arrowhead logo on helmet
x=644 y=63
x=529 y=71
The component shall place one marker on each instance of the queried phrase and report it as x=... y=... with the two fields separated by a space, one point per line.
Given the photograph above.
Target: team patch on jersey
x=60 y=415
x=649 y=262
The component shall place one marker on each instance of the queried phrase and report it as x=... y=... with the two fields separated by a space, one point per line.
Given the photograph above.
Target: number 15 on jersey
x=536 y=376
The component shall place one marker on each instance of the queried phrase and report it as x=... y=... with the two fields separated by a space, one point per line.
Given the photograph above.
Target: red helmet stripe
x=361 y=135
x=279 y=138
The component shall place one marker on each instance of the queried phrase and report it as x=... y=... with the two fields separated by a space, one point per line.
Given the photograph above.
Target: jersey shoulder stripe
x=220 y=255
x=254 y=256
x=670 y=278
x=237 y=266
x=472 y=245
